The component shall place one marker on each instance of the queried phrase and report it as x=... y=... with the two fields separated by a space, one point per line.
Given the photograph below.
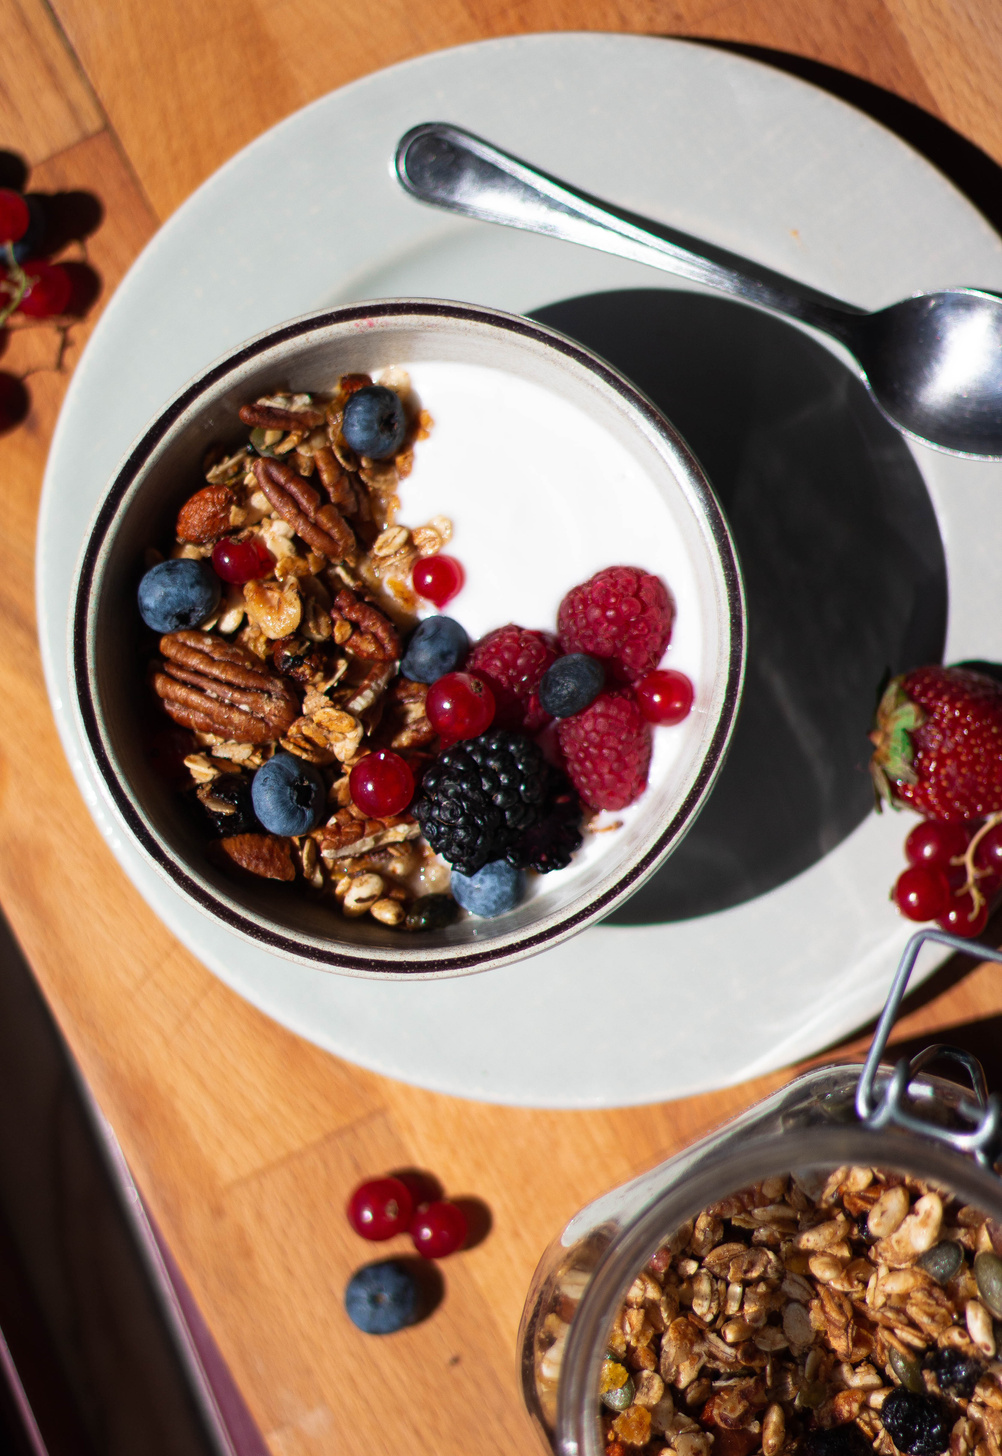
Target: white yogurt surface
x=541 y=497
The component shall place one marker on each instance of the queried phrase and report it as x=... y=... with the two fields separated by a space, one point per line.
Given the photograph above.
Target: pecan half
x=271 y=417
x=321 y=526
x=347 y=835
x=266 y=855
x=378 y=639
x=336 y=481
x=205 y=516
x=216 y=687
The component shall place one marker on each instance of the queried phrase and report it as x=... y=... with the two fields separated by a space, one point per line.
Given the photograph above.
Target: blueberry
x=438 y=645
x=381 y=1298
x=919 y=1425
x=228 y=805
x=374 y=422
x=176 y=594
x=495 y=888
x=288 y=795
x=570 y=684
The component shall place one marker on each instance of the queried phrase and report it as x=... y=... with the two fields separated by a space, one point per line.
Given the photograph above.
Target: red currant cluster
x=954 y=873
x=32 y=289
x=408 y=1203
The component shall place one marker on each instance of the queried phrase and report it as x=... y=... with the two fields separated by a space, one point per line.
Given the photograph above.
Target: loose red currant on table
x=240 y=561
x=961 y=918
x=935 y=843
x=14 y=216
x=665 y=696
x=438 y=1229
x=922 y=892
x=382 y=784
x=48 y=292
x=381 y=1208
x=459 y=705
x=438 y=579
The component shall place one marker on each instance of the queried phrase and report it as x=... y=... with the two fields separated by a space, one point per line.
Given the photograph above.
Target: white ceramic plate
x=309 y=215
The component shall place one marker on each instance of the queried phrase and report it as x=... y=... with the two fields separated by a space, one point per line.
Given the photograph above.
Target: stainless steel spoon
x=932 y=363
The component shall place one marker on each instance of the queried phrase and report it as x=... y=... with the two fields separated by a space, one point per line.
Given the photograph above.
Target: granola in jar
x=826 y=1314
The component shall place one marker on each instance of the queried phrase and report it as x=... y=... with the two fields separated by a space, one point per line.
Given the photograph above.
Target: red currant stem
x=15 y=284
x=973 y=874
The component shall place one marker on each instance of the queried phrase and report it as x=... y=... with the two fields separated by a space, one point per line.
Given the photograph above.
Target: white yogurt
x=541 y=497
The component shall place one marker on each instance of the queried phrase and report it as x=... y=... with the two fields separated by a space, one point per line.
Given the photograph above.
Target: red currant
x=382 y=784
x=14 y=402
x=935 y=843
x=922 y=892
x=665 y=696
x=988 y=851
x=459 y=705
x=381 y=1208
x=14 y=216
x=438 y=1229
x=438 y=579
x=240 y=561
x=961 y=917
x=48 y=292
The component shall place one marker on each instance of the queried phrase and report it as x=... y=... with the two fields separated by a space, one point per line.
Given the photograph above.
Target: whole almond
x=205 y=516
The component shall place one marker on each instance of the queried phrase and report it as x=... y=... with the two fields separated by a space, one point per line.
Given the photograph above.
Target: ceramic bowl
x=551 y=465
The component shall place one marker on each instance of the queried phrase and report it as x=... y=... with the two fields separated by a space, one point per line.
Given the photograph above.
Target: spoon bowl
x=932 y=363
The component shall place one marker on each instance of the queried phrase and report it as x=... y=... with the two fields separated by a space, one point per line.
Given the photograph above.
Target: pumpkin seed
x=941 y=1262
x=988 y=1276
x=619 y=1398
x=908 y=1371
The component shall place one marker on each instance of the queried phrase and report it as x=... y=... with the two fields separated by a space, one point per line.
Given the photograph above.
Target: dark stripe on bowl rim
x=531 y=942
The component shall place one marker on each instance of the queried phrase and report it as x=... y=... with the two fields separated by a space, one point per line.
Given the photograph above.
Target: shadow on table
x=843 y=567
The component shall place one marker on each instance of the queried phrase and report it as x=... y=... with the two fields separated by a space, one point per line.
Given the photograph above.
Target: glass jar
x=900 y=1120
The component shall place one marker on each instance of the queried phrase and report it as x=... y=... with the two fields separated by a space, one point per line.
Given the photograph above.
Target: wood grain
x=245 y=1139
x=45 y=102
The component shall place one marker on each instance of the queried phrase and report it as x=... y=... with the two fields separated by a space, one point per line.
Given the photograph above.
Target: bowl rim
x=339 y=958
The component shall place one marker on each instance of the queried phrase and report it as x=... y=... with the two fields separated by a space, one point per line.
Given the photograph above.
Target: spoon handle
x=450 y=168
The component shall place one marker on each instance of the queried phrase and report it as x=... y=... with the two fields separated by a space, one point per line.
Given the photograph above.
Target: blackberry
x=550 y=844
x=919 y=1425
x=480 y=796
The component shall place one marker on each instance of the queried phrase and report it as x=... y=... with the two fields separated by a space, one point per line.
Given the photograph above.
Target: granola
x=304 y=657
x=822 y=1314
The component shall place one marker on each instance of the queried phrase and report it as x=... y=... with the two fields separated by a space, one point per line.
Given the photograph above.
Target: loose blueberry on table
x=338 y=742
x=382 y=1298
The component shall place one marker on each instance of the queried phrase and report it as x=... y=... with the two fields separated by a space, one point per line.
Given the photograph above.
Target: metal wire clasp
x=900 y=1095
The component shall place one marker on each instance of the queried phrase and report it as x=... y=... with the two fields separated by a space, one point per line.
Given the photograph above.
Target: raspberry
x=608 y=749
x=512 y=660
x=623 y=616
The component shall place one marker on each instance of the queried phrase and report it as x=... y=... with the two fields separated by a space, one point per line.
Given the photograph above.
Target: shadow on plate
x=843 y=565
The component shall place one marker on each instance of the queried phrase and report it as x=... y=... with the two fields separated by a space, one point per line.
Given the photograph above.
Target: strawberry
x=938 y=743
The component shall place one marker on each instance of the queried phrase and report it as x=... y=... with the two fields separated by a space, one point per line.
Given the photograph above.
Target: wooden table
x=243 y=1138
